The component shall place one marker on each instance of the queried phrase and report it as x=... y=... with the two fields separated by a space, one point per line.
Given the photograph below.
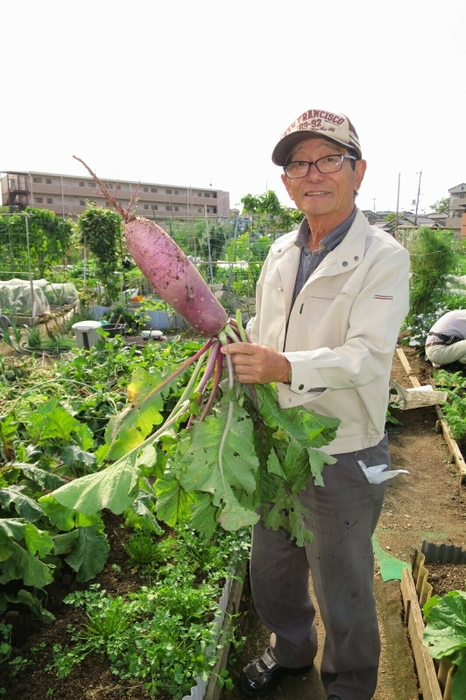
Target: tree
x=442 y=206
x=433 y=258
x=268 y=215
x=35 y=238
x=101 y=230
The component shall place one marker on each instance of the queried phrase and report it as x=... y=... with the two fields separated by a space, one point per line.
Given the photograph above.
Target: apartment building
x=456 y=219
x=67 y=195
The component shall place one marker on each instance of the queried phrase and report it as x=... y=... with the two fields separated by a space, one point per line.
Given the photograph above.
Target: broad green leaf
x=134 y=424
x=51 y=421
x=142 y=507
x=204 y=515
x=233 y=516
x=63 y=543
x=84 y=436
x=89 y=553
x=173 y=503
x=37 y=541
x=274 y=466
x=27 y=598
x=22 y=565
x=458 y=686
x=221 y=453
x=72 y=454
x=65 y=518
x=445 y=631
x=40 y=476
x=289 y=513
x=25 y=506
x=318 y=460
x=12 y=528
x=114 y=488
x=304 y=427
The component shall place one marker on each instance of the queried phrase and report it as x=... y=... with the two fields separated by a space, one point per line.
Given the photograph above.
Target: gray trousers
x=344 y=515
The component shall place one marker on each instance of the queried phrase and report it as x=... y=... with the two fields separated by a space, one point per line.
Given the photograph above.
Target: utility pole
x=397 y=206
x=417 y=198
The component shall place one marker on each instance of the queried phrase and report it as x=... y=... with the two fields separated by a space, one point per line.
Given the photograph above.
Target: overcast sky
x=198 y=93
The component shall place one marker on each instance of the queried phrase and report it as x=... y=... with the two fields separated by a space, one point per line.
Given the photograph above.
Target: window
x=176 y=192
x=82 y=203
x=208 y=210
x=206 y=194
x=177 y=209
x=48 y=180
x=49 y=200
x=81 y=184
x=39 y=200
x=91 y=183
x=199 y=194
x=37 y=179
x=215 y=210
x=146 y=206
x=153 y=189
x=154 y=207
x=214 y=195
x=199 y=210
x=168 y=208
x=146 y=189
x=168 y=191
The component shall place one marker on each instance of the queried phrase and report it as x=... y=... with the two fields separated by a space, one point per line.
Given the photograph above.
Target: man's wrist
x=288 y=374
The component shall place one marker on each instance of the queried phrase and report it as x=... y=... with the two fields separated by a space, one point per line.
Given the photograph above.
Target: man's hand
x=257 y=364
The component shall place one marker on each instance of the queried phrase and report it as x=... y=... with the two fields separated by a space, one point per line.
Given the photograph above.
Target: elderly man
x=330 y=300
x=446 y=341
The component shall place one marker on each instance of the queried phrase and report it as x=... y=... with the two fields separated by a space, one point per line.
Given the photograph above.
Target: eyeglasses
x=325 y=165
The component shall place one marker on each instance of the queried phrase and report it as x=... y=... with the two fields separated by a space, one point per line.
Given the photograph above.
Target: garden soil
x=427 y=504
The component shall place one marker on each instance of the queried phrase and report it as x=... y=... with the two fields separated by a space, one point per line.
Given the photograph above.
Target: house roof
x=458 y=188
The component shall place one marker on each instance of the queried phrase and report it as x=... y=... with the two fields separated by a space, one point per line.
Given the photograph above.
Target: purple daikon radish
x=171 y=274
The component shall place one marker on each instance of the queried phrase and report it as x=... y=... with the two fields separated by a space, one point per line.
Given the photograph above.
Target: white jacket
x=342 y=330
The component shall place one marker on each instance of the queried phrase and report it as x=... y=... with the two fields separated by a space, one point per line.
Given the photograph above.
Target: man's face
x=324 y=198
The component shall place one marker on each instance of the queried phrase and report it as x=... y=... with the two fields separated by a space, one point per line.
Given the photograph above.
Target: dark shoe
x=334 y=697
x=264 y=674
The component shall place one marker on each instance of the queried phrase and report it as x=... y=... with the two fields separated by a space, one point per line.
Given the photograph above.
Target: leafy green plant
x=142 y=549
x=5 y=641
x=166 y=634
x=48 y=240
x=433 y=258
x=223 y=461
x=445 y=635
x=101 y=231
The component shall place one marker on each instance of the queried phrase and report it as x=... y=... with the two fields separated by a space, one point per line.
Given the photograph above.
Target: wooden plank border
x=413 y=619
x=213 y=689
x=435 y=677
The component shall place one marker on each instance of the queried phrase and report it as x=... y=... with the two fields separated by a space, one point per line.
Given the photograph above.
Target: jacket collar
x=343 y=258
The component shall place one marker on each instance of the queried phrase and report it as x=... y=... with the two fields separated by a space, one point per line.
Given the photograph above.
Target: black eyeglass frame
x=310 y=163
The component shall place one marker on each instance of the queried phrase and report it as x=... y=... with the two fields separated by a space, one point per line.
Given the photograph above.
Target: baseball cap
x=317 y=122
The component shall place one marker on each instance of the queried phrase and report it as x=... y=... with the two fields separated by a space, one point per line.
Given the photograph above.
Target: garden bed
x=34 y=645
x=442 y=426
x=418 y=586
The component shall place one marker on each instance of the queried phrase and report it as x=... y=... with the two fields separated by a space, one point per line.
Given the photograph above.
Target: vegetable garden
x=131 y=472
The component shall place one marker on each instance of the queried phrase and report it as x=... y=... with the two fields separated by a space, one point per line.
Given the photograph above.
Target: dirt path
x=427 y=504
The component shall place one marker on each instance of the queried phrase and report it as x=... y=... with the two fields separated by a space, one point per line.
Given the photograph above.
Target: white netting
x=20 y=297
x=61 y=294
